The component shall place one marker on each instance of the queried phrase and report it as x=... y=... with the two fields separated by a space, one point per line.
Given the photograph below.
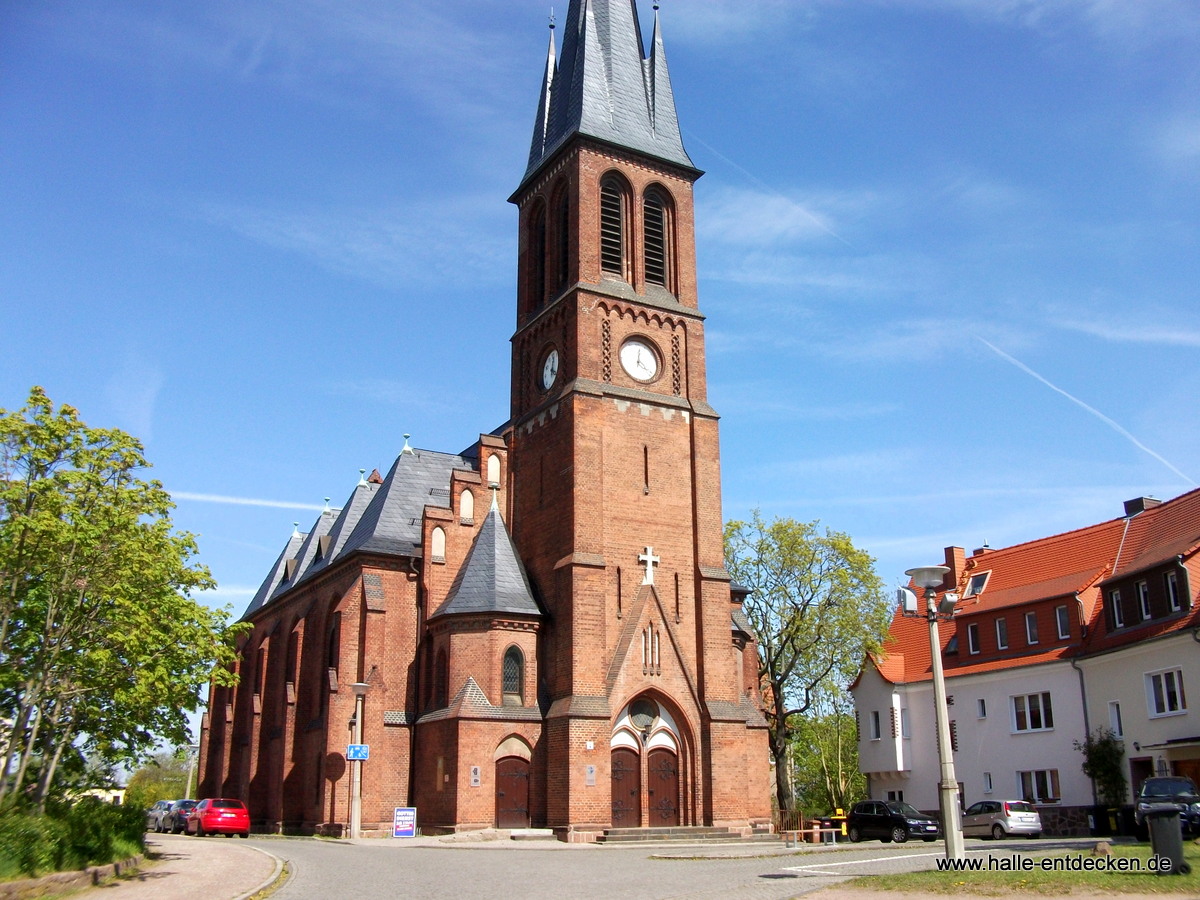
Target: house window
x=905 y=731
x=1171 y=583
x=987 y=782
x=981 y=708
x=875 y=733
x=1032 y=712
x=973 y=637
x=1114 y=718
x=1143 y=595
x=1039 y=785
x=1002 y=633
x=1031 y=636
x=1114 y=604
x=612 y=227
x=513 y=677
x=1164 y=693
x=656 y=243
x=977 y=584
x=895 y=796
x=1063 y=619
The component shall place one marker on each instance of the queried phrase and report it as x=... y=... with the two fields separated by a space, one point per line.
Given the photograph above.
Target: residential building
x=1049 y=641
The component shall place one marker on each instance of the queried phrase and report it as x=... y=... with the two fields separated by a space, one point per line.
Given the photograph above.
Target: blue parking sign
x=358 y=751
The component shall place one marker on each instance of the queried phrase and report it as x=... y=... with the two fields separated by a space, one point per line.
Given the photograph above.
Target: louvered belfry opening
x=612 y=228
x=537 y=260
x=655 y=226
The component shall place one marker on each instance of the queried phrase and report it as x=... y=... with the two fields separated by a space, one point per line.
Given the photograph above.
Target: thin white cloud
x=1092 y=410
x=243 y=501
x=230 y=592
x=385 y=246
x=1135 y=333
x=132 y=389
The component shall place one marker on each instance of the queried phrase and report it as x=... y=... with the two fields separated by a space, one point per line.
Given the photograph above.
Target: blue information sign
x=404 y=821
x=358 y=751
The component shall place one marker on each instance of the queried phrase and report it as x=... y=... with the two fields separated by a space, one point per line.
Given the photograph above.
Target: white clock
x=549 y=369
x=639 y=359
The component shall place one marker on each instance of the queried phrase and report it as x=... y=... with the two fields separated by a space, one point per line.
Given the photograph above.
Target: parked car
x=174 y=819
x=219 y=816
x=1176 y=791
x=154 y=815
x=999 y=818
x=890 y=821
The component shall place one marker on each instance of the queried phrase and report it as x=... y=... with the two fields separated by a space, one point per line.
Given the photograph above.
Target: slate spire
x=604 y=87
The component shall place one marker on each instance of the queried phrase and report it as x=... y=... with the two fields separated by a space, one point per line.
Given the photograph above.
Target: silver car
x=999 y=818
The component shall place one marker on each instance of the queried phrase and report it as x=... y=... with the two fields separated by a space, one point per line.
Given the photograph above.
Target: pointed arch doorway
x=646 y=785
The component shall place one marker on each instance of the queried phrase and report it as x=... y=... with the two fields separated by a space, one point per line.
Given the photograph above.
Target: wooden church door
x=626 y=789
x=662 y=769
x=512 y=792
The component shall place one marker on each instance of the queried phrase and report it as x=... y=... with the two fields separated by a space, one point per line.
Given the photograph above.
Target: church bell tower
x=648 y=681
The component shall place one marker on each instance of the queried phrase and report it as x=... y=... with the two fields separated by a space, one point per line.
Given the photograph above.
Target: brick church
x=538 y=631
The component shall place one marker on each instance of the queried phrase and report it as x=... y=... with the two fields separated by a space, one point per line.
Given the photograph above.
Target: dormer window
x=977 y=583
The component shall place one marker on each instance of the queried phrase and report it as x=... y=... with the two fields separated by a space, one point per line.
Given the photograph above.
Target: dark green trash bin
x=1166 y=840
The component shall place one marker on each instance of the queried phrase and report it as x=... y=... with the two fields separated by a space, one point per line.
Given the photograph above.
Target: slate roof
x=275 y=576
x=605 y=88
x=492 y=579
x=391 y=523
x=377 y=518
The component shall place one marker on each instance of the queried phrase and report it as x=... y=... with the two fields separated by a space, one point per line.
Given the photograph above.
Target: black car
x=174 y=819
x=1177 y=791
x=890 y=821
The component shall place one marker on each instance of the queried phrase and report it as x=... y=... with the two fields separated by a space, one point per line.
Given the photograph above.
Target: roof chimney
x=956 y=559
x=1140 y=505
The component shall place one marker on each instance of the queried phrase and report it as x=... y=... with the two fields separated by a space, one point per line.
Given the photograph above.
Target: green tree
x=817 y=608
x=163 y=777
x=1104 y=763
x=824 y=754
x=103 y=649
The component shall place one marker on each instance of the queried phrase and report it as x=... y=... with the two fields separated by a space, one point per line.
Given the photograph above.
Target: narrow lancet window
x=612 y=228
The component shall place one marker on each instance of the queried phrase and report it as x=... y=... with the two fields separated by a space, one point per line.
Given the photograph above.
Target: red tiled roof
x=1161 y=533
x=1074 y=563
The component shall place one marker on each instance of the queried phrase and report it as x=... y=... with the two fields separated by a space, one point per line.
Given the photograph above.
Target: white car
x=998 y=819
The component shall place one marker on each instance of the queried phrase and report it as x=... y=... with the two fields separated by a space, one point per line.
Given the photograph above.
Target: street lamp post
x=929 y=578
x=360 y=691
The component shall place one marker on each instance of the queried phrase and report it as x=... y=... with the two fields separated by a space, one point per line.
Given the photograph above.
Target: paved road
x=324 y=870
x=433 y=868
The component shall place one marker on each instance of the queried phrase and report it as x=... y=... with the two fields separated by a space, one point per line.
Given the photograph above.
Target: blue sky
x=949 y=249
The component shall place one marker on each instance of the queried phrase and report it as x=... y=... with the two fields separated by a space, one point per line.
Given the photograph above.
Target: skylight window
x=977 y=583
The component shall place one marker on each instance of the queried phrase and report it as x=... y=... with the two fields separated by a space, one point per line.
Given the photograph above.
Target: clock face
x=549 y=369
x=639 y=359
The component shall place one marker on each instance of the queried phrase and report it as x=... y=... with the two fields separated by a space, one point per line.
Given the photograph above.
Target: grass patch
x=1050 y=883
x=68 y=838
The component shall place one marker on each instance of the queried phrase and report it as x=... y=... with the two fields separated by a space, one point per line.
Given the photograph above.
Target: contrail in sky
x=245 y=501
x=1095 y=412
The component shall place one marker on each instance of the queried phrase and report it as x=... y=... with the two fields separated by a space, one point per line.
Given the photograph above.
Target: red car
x=219 y=816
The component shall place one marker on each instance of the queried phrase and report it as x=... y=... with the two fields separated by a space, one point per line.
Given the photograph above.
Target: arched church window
x=657 y=243
x=514 y=677
x=437 y=545
x=441 y=681
x=466 y=508
x=493 y=470
x=612 y=226
x=537 y=259
x=563 y=240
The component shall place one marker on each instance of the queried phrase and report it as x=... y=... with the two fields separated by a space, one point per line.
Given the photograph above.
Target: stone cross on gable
x=650 y=561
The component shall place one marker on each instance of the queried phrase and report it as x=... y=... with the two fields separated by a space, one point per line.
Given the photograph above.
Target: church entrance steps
x=679 y=835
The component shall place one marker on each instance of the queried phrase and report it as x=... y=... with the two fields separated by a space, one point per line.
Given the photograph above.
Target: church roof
x=377 y=518
x=492 y=580
x=606 y=88
x=276 y=575
x=391 y=523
